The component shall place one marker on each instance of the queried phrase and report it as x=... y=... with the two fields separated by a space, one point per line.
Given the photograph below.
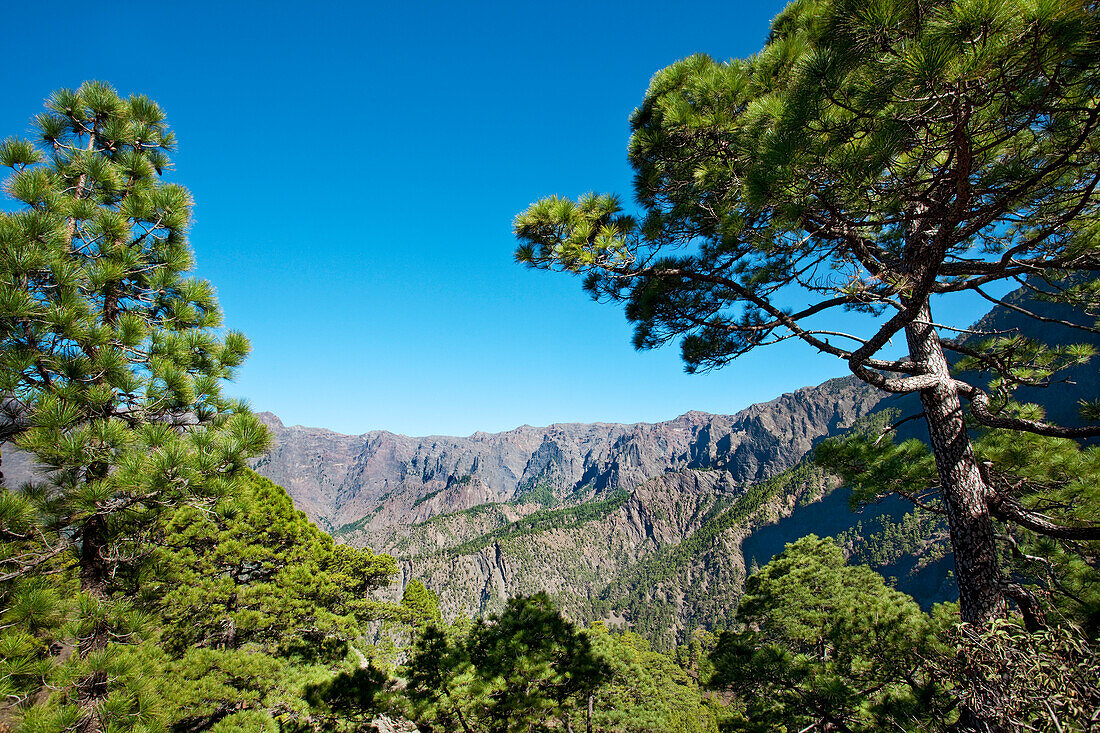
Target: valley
x=636 y=525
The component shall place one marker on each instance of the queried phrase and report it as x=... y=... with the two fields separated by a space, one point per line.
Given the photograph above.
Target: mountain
x=638 y=525
x=627 y=523
x=374 y=484
x=648 y=525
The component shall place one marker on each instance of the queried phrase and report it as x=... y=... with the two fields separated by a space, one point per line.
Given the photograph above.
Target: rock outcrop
x=626 y=523
x=369 y=484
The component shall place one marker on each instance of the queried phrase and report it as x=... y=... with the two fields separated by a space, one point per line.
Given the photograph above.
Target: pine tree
x=648 y=692
x=826 y=645
x=256 y=606
x=524 y=669
x=111 y=363
x=422 y=604
x=255 y=571
x=873 y=157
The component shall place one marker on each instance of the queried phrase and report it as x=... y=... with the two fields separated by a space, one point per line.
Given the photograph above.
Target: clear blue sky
x=356 y=168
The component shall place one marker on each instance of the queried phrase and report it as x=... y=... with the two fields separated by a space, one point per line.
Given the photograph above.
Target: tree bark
x=981 y=596
x=93 y=563
x=965 y=494
x=94 y=574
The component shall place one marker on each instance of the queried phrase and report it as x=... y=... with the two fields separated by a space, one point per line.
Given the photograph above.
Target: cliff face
x=638 y=524
x=370 y=484
x=663 y=558
x=572 y=554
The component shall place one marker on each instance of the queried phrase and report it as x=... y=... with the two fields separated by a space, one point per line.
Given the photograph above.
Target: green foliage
x=31 y=626
x=828 y=644
x=257 y=571
x=107 y=343
x=526 y=669
x=350 y=700
x=545 y=520
x=875 y=466
x=884 y=542
x=538 y=493
x=350 y=527
x=1020 y=361
x=648 y=692
x=256 y=604
x=244 y=616
x=229 y=689
x=111 y=366
x=425 y=497
x=694 y=654
x=422 y=604
x=474 y=511
x=1059 y=481
x=129 y=686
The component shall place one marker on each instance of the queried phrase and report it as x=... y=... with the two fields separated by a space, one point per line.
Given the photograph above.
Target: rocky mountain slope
x=663 y=558
x=637 y=524
x=372 y=483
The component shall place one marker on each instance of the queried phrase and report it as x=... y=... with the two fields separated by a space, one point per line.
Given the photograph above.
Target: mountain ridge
x=394 y=479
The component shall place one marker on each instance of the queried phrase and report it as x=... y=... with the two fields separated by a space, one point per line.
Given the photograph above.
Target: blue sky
x=356 y=168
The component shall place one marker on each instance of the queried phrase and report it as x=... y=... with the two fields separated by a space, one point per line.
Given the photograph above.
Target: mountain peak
x=395 y=479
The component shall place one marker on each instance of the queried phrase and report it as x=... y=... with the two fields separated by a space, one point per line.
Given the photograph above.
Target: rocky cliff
x=365 y=486
x=635 y=524
x=662 y=558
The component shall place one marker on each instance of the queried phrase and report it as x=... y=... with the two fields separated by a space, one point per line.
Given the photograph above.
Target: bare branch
x=1023 y=311
x=979 y=408
x=1009 y=509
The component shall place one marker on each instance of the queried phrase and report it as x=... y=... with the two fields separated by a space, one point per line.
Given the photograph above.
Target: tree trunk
x=981 y=594
x=94 y=571
x=94 y=575
x=93 y=581
x=981 y=597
